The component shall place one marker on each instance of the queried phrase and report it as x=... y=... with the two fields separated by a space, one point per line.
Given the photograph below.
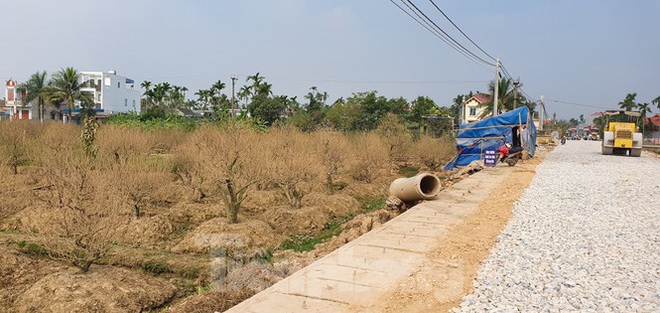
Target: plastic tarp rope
x=473 y=138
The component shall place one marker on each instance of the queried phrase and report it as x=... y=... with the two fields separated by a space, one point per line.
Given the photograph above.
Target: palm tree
x=147 y=86
x=244 y=93
x=656 y=101
x=256 y=82
x=505 y=98
x=67 y=86
x=38 y=87
x=265 y=89
x=643 y=109
x=204 y=96
x=147 y=100
x=629 y=102
x=218 y=86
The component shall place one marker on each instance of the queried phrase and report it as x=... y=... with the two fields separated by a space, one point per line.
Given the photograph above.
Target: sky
x=590 y=53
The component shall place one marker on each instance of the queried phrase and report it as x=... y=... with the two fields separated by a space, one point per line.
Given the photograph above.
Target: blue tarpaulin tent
x=473 y=138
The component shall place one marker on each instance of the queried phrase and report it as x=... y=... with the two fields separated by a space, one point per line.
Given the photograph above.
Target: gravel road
x=585 y=236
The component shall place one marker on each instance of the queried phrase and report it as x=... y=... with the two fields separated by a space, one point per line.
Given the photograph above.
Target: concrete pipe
x=421 y=187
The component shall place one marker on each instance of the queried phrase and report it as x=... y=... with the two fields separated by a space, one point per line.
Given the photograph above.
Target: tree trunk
x=329 y=183
x=233 y=206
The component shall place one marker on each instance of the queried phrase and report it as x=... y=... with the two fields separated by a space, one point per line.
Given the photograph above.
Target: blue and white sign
x=490 y=157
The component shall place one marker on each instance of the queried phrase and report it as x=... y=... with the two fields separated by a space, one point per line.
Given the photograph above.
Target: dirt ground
x=448 y=274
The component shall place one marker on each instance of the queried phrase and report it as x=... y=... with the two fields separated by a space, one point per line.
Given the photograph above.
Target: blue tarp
x=473 y=138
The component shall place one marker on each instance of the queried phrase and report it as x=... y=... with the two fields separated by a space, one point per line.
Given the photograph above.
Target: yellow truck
x=622 y=136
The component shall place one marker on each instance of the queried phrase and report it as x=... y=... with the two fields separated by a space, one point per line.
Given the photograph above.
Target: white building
x=471 y=109
x=112 y=93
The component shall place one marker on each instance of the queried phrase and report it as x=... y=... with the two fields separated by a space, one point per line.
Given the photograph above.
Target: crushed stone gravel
x=585 y=236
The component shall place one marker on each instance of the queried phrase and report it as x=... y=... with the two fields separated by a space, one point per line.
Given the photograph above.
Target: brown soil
x=103 y=289
x=448 y=274
x=218 y=234
x=18 y=272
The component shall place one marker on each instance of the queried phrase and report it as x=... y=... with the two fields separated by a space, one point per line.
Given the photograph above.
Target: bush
x=156 y=267
x=434 y=152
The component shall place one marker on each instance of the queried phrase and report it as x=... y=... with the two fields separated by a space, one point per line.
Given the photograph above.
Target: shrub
x=15 y=139
x=434 y=152
x=156 y=267
x=291 y=164
x=87 y=212
x=370 y=159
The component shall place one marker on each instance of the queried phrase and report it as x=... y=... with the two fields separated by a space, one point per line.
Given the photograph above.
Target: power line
x=352 y=81
x=506 y=72
x=466 y=36
x=578 y=104
x=429 y=28
x=448 y=36
x=434 y=30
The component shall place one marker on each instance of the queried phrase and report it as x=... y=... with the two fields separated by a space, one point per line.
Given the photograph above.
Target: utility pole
x=233 y=97
x=515 y=93
x=497 y=86
x=541 y=114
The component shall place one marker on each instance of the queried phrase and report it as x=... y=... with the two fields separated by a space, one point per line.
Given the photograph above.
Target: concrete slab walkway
x=356 y=275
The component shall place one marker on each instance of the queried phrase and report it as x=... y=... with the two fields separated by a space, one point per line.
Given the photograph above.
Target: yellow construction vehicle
x=621 y=135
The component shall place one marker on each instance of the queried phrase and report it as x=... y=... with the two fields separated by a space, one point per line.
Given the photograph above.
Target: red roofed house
x=14 y=96
x=653 y=123
x=470 y=109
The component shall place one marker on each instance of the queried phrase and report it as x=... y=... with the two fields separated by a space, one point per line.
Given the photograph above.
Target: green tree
x=343 y=115
x=422 y=109
x=505 y=98
x=656 y=101
x=244 y=94
x=38 y=88
x=219 y=101
x=315 y=106
x=372 y=109
x=146 y=100
x=644 y=108
x=268 y=109
x=67 y=86
x=257 y=81
x=629 y=103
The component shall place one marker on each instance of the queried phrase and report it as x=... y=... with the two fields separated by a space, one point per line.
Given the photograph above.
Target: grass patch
x=369 y=206
x=302 y=243
x=156 y=267
x=32 y=248
x=409 y=171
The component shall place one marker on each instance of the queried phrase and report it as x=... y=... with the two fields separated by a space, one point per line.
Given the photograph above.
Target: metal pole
x=515 y=93
x=233 y=97
x=497 y=86
x=541 y=114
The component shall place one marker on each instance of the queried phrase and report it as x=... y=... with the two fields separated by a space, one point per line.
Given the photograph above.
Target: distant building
x=471 y=109
x=15 y=106
x=112 y=93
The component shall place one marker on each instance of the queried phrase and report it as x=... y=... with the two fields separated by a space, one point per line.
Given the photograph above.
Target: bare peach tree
x=123 y=154
x=292 y=164
x=434 y=152
x=370 y=159
x=230 y=163
x=332 y=153
x=396 y=137
x=86 y=217
x=14 y=139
